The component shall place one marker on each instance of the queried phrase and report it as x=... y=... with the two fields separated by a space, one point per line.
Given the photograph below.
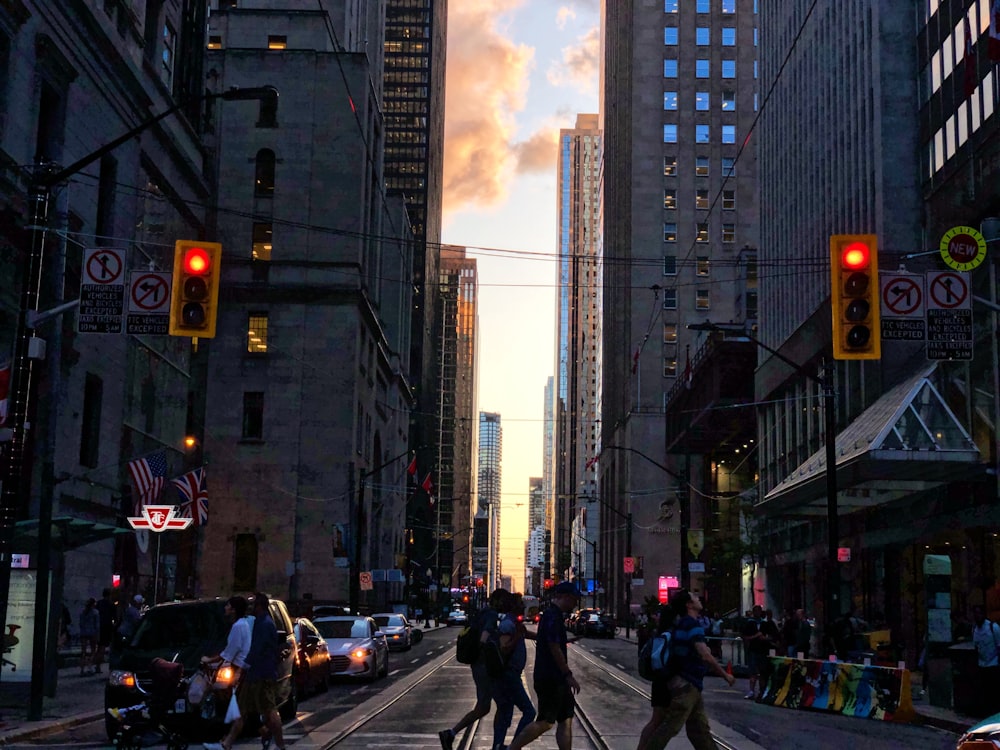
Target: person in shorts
x=555 y=685
x=755 y=646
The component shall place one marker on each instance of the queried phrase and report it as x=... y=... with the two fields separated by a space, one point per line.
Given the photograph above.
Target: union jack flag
x=193 y=489
x=149 y=473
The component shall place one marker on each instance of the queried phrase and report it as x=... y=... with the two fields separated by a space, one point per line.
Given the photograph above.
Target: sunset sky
x=518 y=70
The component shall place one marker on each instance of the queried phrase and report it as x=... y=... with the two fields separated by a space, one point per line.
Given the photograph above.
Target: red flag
x=635 y=361
x=971 y=74
x=995 y=31
x=591 y=462
x=412 y=468
x=427 y=484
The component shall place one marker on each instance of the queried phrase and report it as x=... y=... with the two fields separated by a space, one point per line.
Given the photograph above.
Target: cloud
x=487 y=85
x=579 y=66
x=565 y=15
x=538 y=153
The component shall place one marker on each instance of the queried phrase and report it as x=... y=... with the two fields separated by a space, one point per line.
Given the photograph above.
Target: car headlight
x=119 y=678
x=225 y=676
x=361 y=653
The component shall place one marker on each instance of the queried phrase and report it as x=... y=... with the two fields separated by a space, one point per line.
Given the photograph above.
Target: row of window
x=703 y=69
x=966 y=120
x=701 y=235
x=702 y=133
x=952 y=50
x=702 y=299
x=702 y=265
x=701 y=166
x=703 y=36
x=704 y=6
x=701 y=199
x=702 y=101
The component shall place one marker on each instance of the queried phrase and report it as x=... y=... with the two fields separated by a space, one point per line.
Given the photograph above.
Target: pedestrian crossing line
x=621 y=667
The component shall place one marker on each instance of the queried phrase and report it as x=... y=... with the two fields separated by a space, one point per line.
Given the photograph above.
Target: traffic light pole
x=15 y=494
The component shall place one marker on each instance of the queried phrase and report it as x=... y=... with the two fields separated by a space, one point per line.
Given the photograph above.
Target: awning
x=906 y=442
x=67 y=532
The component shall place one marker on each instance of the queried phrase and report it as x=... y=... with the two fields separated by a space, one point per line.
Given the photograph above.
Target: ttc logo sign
x=159 y=518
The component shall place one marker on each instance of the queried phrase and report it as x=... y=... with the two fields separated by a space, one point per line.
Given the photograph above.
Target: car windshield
x=392 y=621
x=594 y=618
x=343 y=628
x=177 y=627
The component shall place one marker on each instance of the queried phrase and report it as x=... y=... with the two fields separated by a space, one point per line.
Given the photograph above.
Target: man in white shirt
x=986 y=636
x=238 y=642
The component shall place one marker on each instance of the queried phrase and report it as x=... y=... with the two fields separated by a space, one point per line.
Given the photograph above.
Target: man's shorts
x=257 y=697
x=754 y=660
x=105 y=636
x=483 y=682
x=555 y=702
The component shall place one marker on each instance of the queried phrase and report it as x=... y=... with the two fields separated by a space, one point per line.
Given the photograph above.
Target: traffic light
x=194 y=294
x=854 y=296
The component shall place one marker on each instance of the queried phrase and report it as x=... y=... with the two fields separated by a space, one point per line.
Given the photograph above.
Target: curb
x=46 y=727
x=938 y=722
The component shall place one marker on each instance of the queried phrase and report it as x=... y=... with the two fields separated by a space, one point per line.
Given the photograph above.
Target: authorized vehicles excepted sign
x=903 y=308
x=949 y=316
x=102 y=291
x=148 y=303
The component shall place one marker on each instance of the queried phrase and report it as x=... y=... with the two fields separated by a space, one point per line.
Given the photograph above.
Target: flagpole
x=156 y=575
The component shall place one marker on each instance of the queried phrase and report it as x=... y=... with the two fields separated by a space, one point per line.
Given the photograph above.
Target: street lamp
x=28 y=348
x=628 y=553
x=830 y=437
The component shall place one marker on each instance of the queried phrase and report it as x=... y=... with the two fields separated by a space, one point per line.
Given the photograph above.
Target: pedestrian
x=554 y=683
x=986 y=637
x=789 y=632
x=486 y=620
x=679 y=696
x=258 y=688
x=238 y=641
x=64 y=622
x=131 y=618
x=803 y=636
x=755 y=647
x=90 y=626
x=107 y=612
x=508 y=690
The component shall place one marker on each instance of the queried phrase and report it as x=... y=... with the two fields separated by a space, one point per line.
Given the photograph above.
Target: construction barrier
x=729 y=651
x=868 y=691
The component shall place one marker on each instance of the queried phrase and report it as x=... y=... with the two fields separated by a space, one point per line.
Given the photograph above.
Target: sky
x=517 y=72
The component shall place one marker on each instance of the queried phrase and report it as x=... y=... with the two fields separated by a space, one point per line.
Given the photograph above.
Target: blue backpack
x=654 y=656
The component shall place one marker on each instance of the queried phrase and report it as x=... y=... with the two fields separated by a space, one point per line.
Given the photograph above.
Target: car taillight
x=118 y=678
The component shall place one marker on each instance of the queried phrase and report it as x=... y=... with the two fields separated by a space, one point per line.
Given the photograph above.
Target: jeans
x=509 y=691
x=686 y=710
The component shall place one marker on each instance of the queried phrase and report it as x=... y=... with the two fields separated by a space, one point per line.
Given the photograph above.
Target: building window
x=669 y=333
x=670 y=367
x=670 y=100
x=702 y=69
x=215 y=42
x=729 y=233
x=702 y=36
x=670 y=199
x=669 y=265
x=701 y=199
x=669 y=68
x=729 y=134
x=264 y=173
x=702 y=235
x=703 y=265
x=701 y=166
x=90 y=423
x=704 y=6
x=729 y=36
x=277 y=41
x=267 y=114
x=262 y=234
x=167 y=55
x=669 y=166
x=702 y=301
x=702 y=100
x=728 y=166
x=701 y=133
x=669 y=299
x=728 y=101
x=670 y=6
x=670 y=36
x=257 y=333
x=670 y=232
x=253 y=415
x=751 y=304
x=245 y=554
x=670 y=134
x=728 y=200
x=729 y=6
x=729 y=69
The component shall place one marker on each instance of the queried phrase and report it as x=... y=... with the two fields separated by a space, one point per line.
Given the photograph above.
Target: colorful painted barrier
x=881 y=693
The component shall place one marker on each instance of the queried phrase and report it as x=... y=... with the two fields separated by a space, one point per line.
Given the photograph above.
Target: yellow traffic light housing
x=194 y=292
x=854 y=296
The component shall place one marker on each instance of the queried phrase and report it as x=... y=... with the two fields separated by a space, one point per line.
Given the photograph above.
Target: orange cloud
x=487 y=84
x=579 y=66
x=564 y=15
x=538 y=153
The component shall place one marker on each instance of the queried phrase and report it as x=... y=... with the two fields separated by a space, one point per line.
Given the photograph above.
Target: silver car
x=357 y=647
x=397 y=629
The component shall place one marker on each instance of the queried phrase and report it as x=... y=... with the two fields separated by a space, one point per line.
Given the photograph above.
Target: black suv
x=184 y=632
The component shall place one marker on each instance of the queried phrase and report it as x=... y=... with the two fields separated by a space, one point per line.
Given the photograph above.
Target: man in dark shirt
x=107 y=611
x=555 y=685
x=680 y=704
x=755 y=646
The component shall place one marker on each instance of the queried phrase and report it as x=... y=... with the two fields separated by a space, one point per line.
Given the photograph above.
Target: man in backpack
x=986 y=637
x=486 y=621
x=677 y=699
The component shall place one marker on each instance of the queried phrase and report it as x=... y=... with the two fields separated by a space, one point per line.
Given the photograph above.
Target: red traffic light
x=196 y=261
x=856 y=256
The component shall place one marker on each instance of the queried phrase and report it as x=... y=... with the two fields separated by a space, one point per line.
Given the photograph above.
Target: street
x=427 y=690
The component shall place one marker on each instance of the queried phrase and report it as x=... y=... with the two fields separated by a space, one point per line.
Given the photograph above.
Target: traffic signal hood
x=194 y=294
x=854 y=296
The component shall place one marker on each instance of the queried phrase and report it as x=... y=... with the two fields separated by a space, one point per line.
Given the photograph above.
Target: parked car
x=357 y=647
x=312 y=673
x=598 y=625
x=457 y=617
x=397 y=629
x=185 y=632
x=579 y=618
x=985 y=734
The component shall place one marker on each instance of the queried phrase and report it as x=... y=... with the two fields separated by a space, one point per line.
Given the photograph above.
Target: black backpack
x=467 y=643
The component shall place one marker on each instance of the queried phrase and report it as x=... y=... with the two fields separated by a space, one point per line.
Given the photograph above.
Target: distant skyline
x=518 y=71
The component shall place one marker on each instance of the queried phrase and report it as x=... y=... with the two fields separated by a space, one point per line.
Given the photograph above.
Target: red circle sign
x=963 y=248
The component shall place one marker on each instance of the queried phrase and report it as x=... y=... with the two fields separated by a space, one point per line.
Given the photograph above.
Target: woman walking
x=90 y=626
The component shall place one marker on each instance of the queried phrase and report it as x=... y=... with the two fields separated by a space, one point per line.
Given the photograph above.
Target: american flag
x=193 y=489
x=148 y=474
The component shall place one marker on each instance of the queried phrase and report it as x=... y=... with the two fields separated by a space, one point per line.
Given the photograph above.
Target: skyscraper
x=486 y=540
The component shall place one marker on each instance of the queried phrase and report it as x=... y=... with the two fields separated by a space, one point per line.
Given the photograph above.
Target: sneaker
x=749 y=696
x=447 y=738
